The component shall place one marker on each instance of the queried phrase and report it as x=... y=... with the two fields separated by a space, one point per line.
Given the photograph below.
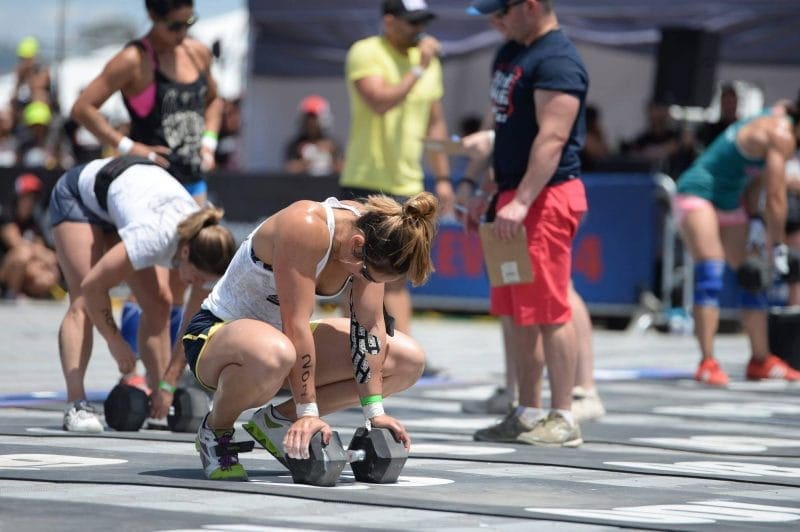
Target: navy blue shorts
x=203 y=325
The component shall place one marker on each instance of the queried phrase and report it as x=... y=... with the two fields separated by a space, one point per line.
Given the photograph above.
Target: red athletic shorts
x=551 y=224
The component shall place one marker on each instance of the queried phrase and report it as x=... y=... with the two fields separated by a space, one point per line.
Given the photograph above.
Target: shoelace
x=227 y=461
x=83 y=406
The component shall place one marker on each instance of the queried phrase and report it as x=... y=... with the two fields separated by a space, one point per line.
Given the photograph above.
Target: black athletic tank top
x=176 y=120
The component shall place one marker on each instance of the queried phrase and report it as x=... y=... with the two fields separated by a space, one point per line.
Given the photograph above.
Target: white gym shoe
x=268 y=430
x=586 y=405
x=500 y=402
x=218 y=464
x=81 y=417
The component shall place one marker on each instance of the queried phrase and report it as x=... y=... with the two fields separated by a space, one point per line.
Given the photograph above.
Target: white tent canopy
x=75 y=72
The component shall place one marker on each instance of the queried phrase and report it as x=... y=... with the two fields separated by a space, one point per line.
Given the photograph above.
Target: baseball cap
x=27 y=184
x=28 y=47
x=410 y=10
x=313 y=105
x=487 y=7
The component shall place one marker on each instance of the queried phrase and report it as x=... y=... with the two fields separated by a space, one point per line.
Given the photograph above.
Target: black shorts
x=203 y=325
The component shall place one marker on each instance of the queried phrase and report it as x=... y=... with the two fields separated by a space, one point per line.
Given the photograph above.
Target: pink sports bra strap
x=143 y=102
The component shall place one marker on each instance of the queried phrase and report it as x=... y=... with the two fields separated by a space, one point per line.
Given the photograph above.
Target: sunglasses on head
x=176 y=26
x=504 y=10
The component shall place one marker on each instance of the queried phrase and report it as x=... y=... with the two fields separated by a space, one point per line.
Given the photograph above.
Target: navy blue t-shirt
x=549 y=63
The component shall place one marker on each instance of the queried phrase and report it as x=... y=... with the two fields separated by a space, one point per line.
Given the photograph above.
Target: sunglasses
x=500 y=13
x=364 y=271
x=176 y=26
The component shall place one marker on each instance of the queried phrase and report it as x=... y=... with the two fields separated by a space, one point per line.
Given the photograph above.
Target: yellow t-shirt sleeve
x=361 y=62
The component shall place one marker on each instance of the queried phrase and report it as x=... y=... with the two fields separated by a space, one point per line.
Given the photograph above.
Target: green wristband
x=167 y=387
x=211 y=134
x=371 y=399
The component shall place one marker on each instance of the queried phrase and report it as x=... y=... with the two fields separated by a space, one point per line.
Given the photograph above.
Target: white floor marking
x=35 y=462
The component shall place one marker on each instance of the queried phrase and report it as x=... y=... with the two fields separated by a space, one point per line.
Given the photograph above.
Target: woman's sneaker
x=710 y=372
x=81 y=417
x=771 y=367
x=220 y=459
x=269 y=429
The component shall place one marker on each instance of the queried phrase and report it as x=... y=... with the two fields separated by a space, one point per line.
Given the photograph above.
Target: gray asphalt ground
x=669 y=455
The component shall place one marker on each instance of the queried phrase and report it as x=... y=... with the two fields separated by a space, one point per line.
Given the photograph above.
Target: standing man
x=395 y=86
x=538 y=93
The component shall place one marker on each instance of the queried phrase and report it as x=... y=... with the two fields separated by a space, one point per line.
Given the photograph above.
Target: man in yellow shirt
x=395 y=86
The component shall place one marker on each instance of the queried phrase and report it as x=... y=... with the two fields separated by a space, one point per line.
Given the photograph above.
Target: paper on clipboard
x=448 y=146
x=507 y=261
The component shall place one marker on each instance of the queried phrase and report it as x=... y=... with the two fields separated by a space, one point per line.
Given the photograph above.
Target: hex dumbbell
x=374 y=455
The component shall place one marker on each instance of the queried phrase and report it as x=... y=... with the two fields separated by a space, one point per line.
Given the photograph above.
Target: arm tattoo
x=108 y=317
x=306 y=373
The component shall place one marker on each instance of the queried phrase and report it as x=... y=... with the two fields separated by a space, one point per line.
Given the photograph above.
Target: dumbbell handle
x=357 y=455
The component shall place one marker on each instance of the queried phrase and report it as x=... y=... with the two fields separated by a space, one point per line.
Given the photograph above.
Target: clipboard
x=448 y=147
x=507 y=261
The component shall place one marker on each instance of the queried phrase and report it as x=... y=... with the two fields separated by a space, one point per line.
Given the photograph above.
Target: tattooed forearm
x=108 y=317
x=306 y=375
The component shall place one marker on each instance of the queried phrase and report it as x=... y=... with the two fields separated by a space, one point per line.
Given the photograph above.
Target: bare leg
x=527 y=348
x=510 y=358
x=247 y=361
x=78 y=246
x=701 y=235
x=582 y=322
x=561 y=357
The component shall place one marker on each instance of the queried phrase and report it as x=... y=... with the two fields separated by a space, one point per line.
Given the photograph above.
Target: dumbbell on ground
x=127 y=407
x=374 y=455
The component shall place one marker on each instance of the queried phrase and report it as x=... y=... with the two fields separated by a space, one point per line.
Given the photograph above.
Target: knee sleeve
x=129 y=326
x=753 y=300
x=708 y=282
x=175 y=318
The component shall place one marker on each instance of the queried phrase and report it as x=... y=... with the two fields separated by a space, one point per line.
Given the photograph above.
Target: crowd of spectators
x=36 y=133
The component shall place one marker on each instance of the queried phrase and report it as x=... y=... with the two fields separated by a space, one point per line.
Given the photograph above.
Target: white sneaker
x=81 y=417
x=268 y=430
x=586 y=405
x=217 y=463
x=500 y=402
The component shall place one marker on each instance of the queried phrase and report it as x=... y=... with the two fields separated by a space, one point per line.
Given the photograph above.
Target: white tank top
x=247 y=289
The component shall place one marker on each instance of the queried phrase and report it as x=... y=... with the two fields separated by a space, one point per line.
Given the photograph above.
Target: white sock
x=530 y=414
x=567 y=415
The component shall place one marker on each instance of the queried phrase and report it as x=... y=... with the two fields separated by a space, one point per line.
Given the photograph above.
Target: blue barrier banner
x=615 y=251
x=614 y=255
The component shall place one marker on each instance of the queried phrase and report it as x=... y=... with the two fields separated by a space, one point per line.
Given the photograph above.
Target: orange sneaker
x=709 y=372
x=771 y=367
x=137 y=381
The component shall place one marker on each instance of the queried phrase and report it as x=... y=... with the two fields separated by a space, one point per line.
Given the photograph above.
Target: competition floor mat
x=682 y=457
x=670 y=454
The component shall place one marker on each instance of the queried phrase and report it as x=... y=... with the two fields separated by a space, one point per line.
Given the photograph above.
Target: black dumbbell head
x=189 y=408
x=324 y=465
x=385 y=456
x=753 y=275
x=126 y=408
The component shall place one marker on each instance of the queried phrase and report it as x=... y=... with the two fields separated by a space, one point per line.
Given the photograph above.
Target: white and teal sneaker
x=269 y=428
